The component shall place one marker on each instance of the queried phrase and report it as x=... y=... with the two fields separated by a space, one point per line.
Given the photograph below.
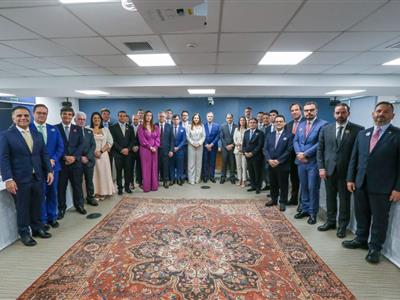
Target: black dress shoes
x=61 y=213
x=299 y=208
x=355 y=244
x=172 y=182
x=41 y=233
x=282 y=206
x=326 y=226
x=251 y=189
x=213 y=180
x=373 y=256
x=258 y=191
x=46 y=227
x=312 y=220
x=165 y=185
x=293 y=201
x=233 y=180
x=341 y=233
x=81 y=210
x=301 y=215
x=128 y=190
x=180 y=182
x=222 y=181
x=54 y=224
x=119 y=192
x=27 y=240
x=270 y=203
x=92 y=202
x=205 y=180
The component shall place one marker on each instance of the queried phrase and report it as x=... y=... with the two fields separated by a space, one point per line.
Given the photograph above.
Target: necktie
x=83 y=132
x=209 y=127
x=66 y=130
x=277 y=136
x=295 y=124
x=123 y=128
x=42 y=130
x=339 y=136
x=28 y=139
x=175 y=131
x=251 y=134
x=308 y=128
x=105 y=124
x=374 y=139
x=162 y=134
x=230 y=128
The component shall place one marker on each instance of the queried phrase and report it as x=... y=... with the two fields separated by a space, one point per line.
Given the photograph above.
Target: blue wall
x=221 y=107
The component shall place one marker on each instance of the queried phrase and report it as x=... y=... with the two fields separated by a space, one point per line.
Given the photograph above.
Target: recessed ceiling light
x=283 y=58
x=6 y=95
x=83 y=1
x=344 y=92
x=394 y=62
x=201 y=91
x=92 y=92
x=152 y=60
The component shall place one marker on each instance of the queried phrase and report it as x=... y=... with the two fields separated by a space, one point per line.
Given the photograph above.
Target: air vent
x=394 y=46
x=138 y=46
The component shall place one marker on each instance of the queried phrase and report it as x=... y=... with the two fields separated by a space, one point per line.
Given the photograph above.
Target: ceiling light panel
x=201 y=91
x=152 y=60
x=92 y=92
x=394 y=62
x=283 y=58
x=344 y=92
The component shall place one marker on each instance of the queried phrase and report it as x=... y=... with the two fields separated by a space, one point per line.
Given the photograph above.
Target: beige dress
x=102 y=177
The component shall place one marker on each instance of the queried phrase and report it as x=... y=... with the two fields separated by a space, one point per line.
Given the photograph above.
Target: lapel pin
x=53 y=129
x=347 y=131
x=368 y=134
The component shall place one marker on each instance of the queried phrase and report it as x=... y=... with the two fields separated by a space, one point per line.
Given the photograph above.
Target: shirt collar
x=383 y=128
x=343 y=125
x=121 y=124
x=69 y=125
x=37 y=124
x=22 y=130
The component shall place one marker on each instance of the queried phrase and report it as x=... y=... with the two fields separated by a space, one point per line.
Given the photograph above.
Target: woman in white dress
x=102 y=176
x=241 y=164
x=195 y=136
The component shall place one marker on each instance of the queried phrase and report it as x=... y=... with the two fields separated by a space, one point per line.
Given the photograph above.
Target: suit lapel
x=22 y=140
x=386 y=135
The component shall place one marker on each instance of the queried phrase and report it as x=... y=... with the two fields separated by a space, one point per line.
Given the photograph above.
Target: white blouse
x=197 y=135
x=238 y=139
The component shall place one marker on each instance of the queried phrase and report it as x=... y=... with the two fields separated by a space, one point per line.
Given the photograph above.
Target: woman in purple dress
x=149 y=139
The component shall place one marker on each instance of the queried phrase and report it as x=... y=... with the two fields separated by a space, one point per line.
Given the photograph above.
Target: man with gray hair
x=88 y=159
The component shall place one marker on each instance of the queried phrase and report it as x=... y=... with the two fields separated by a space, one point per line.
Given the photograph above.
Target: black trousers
x=28 y=203
x=185 y=162
x=163 y=165
x=279 y=181
x=88 y=176
x=372 y=216
x=228 y=162
x=254 y=166
x=294 y=180
x=137 y=169
x=123 y=164
x=335 y=185
x=74 y=175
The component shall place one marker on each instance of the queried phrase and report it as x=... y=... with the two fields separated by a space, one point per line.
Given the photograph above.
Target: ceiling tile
x=347 y=69
x=385 y=19
x=388 y=46
x=256 y=15
x=12 y=31
x=271 y=69
x=8 y=74
x=7 y=66
x=112 y=60
x=88 y=46
x=194 y=58
x=92 y=71
x=317 y=15
x=34 y=63
x=71 y=61
x=240 y=58
x=60 y=72
x=302 y=41
x=359 y=41
x=39 y=47
x=163 y=70
x=382 y=70
x=21 y=3
x=372 y=58
x=6 y=52
x=29 y=73
x=154 y=41
x=308 y=69
x=228 y=69
x=197 y=69
x=328 y=58
x=120 y=21
x=49 y=21
x=127 y=71
x=205 y=42
x=246 y=41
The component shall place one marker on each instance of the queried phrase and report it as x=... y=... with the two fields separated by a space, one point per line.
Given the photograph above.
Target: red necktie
x=374 y=139
x=308 y=128
x=294 y=129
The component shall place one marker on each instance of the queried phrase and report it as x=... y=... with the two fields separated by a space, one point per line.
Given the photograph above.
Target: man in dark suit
x=24 y=166
x=277 y=149
x=136 y=167
x=266 y=129
x=227 y=147
x=253 y=142
x=374 y=175
x=297 y=118
x=177 y=160
x=166 y=149
x=305 y=144
x=210 y=148
x=55 y=150
x=124 y=140
x=88 y=159
x=336 y=141
x=71 y=166
x=185 y=123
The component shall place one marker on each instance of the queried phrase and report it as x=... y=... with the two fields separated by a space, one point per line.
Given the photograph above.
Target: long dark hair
x=91 y=120
x=245 y=122
x=151 y=121
x=195 y=114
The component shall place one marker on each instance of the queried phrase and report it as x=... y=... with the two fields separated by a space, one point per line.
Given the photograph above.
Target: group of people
x=38 y=159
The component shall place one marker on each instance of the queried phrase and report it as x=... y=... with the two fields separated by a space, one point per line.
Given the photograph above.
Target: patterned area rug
x=190 y=249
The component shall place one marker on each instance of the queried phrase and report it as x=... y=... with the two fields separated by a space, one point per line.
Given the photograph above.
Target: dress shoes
x=172 y=182
x=222 y=181
x=258 y=191
x=341 y=233
x=165 y=185
x=27 y=240
x=180 y=182
x=270 y=203
x=355 y=244
x=301 y=215
x=81 y=210
x=373 y=256
x=119 y=192
x=128 y=190
x=293 y=201
x=54 y=224
x=312 y=220
x=46 y=227
x=299 y=208
x=213 y=180
x=41 y=233
x=282 y=206
x=251 y=189
x=233 y=180
x=205 y=180
x=326 y=227
x=61 y=214
x=92 y=202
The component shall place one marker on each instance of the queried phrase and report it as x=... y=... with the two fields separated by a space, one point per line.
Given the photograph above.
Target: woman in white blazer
x=195 y=136
x=241 y=164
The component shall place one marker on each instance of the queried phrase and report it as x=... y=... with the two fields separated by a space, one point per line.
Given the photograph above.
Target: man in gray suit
x=336 y=142
x=227 y=145
x=87 y=159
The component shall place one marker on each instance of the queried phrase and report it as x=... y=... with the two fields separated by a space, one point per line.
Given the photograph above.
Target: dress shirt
x=42 y=129
x=344 y=128
x=383 y=129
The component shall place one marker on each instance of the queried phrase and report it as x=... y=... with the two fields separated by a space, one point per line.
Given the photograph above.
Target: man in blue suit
x=305 y=145
x=210 y=148
x=374 y=176
x=71 y=166
x=55 y=149
x=177 y=160
x=166 y=149
x=24 y=166
x=278 y=147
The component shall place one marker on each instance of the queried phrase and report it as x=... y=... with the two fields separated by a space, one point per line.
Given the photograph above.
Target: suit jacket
x=166 y=139
x=73 y=146
x=180 y=140
x=17 y=162
x=89 y=147
x=331 y=156
x=226 y=137
x=381 y=167
x=289 y=127
x=308 y=145
x=121 y=141
x=212 y=136
x=136 y=142
x=253 y=145
x=54 y=145
x=282 y=151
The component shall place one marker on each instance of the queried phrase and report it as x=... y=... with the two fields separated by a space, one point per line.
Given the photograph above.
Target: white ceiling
x=50 y=49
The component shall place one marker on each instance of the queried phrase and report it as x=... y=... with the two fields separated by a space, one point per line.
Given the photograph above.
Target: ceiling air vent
x=138 y=46
x=394 y=46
